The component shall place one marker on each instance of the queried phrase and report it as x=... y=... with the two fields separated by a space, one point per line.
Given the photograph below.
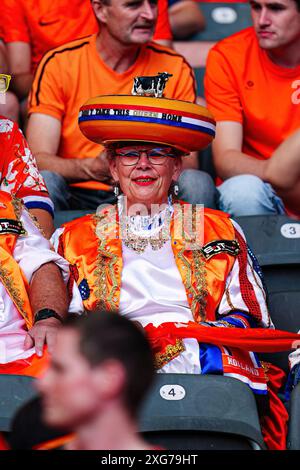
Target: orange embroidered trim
x=13 y=290
x=104 y=301
x=199 y=292
x=201 y=285
x=172 y=351
x=226 y=324
x=5 y=276
x=17 y=205
x=228 y=298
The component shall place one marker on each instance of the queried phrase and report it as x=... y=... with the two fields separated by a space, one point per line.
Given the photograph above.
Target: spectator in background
x=99 y=374
x=252 y=88
x=75 y=169
x=185 y=18
x=9 y=104
x=20 y=177
x=33 y=297
x=33 y=27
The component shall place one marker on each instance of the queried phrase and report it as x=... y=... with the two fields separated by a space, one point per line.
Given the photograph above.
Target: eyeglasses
x=156 y=156
x=4 y=82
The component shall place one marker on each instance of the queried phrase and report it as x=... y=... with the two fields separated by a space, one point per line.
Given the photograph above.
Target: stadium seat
x=293 y=440
x=199 y=75
x=188 y=411
x=15 y=391
x=29 y=417
x=223 y=19
x=275 y=240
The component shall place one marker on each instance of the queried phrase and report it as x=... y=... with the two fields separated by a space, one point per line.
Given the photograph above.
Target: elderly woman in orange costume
x=181 y=271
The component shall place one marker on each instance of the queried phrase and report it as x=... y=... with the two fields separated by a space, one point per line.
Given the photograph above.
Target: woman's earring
x=116 y=190
x=175 y=189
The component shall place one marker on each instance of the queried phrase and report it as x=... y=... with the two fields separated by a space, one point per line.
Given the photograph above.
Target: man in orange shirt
x=33 y=27
x=100 y=64
x=252 y=88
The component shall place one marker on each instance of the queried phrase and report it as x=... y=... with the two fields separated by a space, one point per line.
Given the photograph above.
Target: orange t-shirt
x=243 y=85
x=71 y=74
x=46 y=24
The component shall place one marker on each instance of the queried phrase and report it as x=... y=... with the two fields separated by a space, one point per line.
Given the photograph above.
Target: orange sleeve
x=221 y=91
x=186 y=88
x=163 y=28
x=13 y=21
x=47 y=92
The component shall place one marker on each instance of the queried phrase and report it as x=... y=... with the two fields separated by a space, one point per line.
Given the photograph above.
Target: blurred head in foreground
x=99 y=373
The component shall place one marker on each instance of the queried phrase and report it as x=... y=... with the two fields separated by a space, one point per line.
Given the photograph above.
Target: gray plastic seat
x=276 y=243
x=223 y=19
x=293 y=439
x=189 y=411
x=15 y=391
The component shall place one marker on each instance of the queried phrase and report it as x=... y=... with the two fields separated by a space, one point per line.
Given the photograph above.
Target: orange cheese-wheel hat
x=121 y=118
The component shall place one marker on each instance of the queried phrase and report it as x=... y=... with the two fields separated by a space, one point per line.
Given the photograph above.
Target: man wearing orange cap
x=173 y=267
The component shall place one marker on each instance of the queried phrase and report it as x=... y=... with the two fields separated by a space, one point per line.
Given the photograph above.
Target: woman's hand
x=97 y=168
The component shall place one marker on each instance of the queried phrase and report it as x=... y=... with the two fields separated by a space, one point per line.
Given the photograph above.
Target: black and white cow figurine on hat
x=152 y=86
